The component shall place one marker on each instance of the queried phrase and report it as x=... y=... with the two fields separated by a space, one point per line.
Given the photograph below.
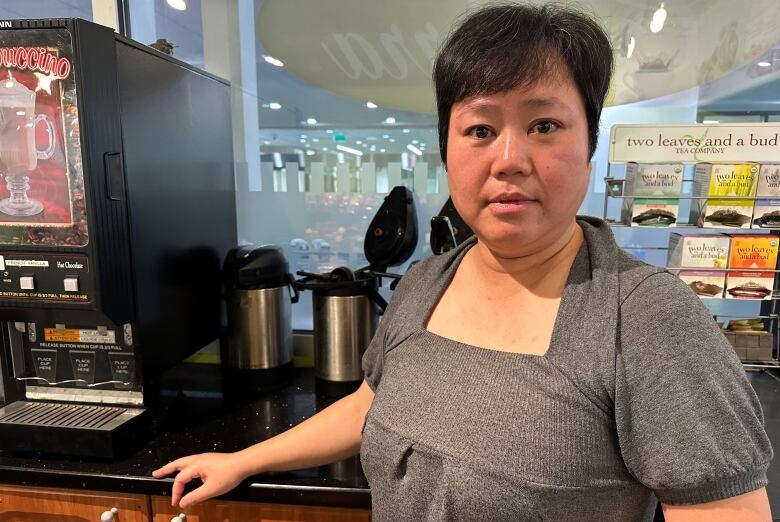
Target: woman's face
x=518 y=165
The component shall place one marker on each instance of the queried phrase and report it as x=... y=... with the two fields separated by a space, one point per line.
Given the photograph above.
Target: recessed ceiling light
x=415 y=142
x=385 y=136
x=311 y=121
x=329 y=131
x=303 y=136
x=764 y=64
x=324 y=149
x=390 y=120
x=273 y=61
x=275 y=106
x=179 y=5
x=373 y=148
x=371 y=105
x=303 y=141
x=406 y=131
x=382 y=150
x=358 y=142
x=310 y=152
x=315 y=140
x=266 y=143
x=391 y=140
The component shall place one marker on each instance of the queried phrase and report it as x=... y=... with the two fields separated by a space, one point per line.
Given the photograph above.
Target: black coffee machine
x=117 y=205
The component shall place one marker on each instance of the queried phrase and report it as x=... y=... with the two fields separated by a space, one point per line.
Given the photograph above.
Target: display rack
x=623 y=149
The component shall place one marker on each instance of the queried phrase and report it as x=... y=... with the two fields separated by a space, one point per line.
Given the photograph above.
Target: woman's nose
x=511 y=155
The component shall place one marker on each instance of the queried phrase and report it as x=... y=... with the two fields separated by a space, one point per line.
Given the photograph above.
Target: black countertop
x=195 y=416
x=198 y=417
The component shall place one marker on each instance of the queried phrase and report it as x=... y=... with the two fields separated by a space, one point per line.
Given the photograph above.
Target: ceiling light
x=266 y=143
x=179 y=5
x=415 y=142
x=324 y=149
x=273 y=61
x=709 y=122
x=764 y=64
x=659 y=17
x=315 y=140
x=631 y=46
x=303 y=136
x=382 y=150
x=406 y=131
x=373 y=148
x=311 y=121
x=391 y=140
x=414 y=149
x=303 y=140
x=385 y=136
x=390 y=120
x=329 y=131
x=350 y=150
x=275 y=106
x=358 y=142
x=371 y=105
x=310 y=152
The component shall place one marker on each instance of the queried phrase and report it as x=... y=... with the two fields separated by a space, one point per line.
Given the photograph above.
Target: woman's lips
x=505 y=206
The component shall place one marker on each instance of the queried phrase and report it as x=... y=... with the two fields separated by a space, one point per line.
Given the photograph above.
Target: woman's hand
x=219 y=472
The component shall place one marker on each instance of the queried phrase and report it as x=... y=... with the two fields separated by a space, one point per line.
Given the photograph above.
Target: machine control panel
x=51 y=277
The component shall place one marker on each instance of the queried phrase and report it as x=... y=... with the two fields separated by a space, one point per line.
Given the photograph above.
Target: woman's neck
x=529 y=270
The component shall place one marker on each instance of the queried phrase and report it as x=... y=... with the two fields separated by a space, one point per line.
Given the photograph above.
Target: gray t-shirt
x=639 y=397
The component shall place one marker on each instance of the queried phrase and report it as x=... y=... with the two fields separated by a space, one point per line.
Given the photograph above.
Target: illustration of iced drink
x=18 y=153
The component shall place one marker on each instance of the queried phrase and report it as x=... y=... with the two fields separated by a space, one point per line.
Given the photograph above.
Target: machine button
x=27 y=282
x=71 y=284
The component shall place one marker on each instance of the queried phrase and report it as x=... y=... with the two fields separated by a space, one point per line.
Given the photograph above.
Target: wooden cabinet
x=28 y=504
x=220 y=511
x=22 y=504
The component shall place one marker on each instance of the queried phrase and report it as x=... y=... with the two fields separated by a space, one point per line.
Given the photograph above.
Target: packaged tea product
x=766 y=213
x=698 y=251
x=749 y=254
x=662 y=181
x=705 y=284
x=730 y=180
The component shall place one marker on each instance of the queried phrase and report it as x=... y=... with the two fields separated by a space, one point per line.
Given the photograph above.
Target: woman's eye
x=480 y=132
x=545 y=127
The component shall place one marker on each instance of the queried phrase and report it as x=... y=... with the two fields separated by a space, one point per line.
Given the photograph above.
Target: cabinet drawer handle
x=181 y=518
x=109 y=516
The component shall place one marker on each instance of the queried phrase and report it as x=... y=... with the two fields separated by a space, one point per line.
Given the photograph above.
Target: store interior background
x=308 y=76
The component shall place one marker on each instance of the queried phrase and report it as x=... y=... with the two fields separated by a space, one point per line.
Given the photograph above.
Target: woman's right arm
x=329 y=436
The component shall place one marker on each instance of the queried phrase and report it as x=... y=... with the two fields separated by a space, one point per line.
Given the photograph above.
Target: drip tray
x=71 y=429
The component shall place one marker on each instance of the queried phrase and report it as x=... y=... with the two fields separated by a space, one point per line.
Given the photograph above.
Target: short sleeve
x=689 y=424
x=374 y=356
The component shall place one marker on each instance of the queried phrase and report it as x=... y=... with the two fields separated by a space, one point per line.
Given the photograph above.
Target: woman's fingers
x=184 y=476
x=169 y=468
x=197 y=495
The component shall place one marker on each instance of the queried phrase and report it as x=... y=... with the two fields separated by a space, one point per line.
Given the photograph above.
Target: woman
x=536 y=372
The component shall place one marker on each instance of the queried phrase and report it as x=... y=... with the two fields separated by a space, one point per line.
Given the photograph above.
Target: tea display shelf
x=769 y=306
x=614 y=189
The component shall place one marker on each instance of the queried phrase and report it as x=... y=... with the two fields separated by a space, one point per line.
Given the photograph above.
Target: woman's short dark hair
x=501 y=47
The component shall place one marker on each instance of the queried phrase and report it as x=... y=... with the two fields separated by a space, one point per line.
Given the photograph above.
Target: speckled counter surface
x=194 y=416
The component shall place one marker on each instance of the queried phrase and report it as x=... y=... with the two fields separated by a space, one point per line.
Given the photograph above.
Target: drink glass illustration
x=18 y=152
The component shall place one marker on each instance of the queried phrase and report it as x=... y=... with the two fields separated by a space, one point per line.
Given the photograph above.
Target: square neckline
x=449 y=275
